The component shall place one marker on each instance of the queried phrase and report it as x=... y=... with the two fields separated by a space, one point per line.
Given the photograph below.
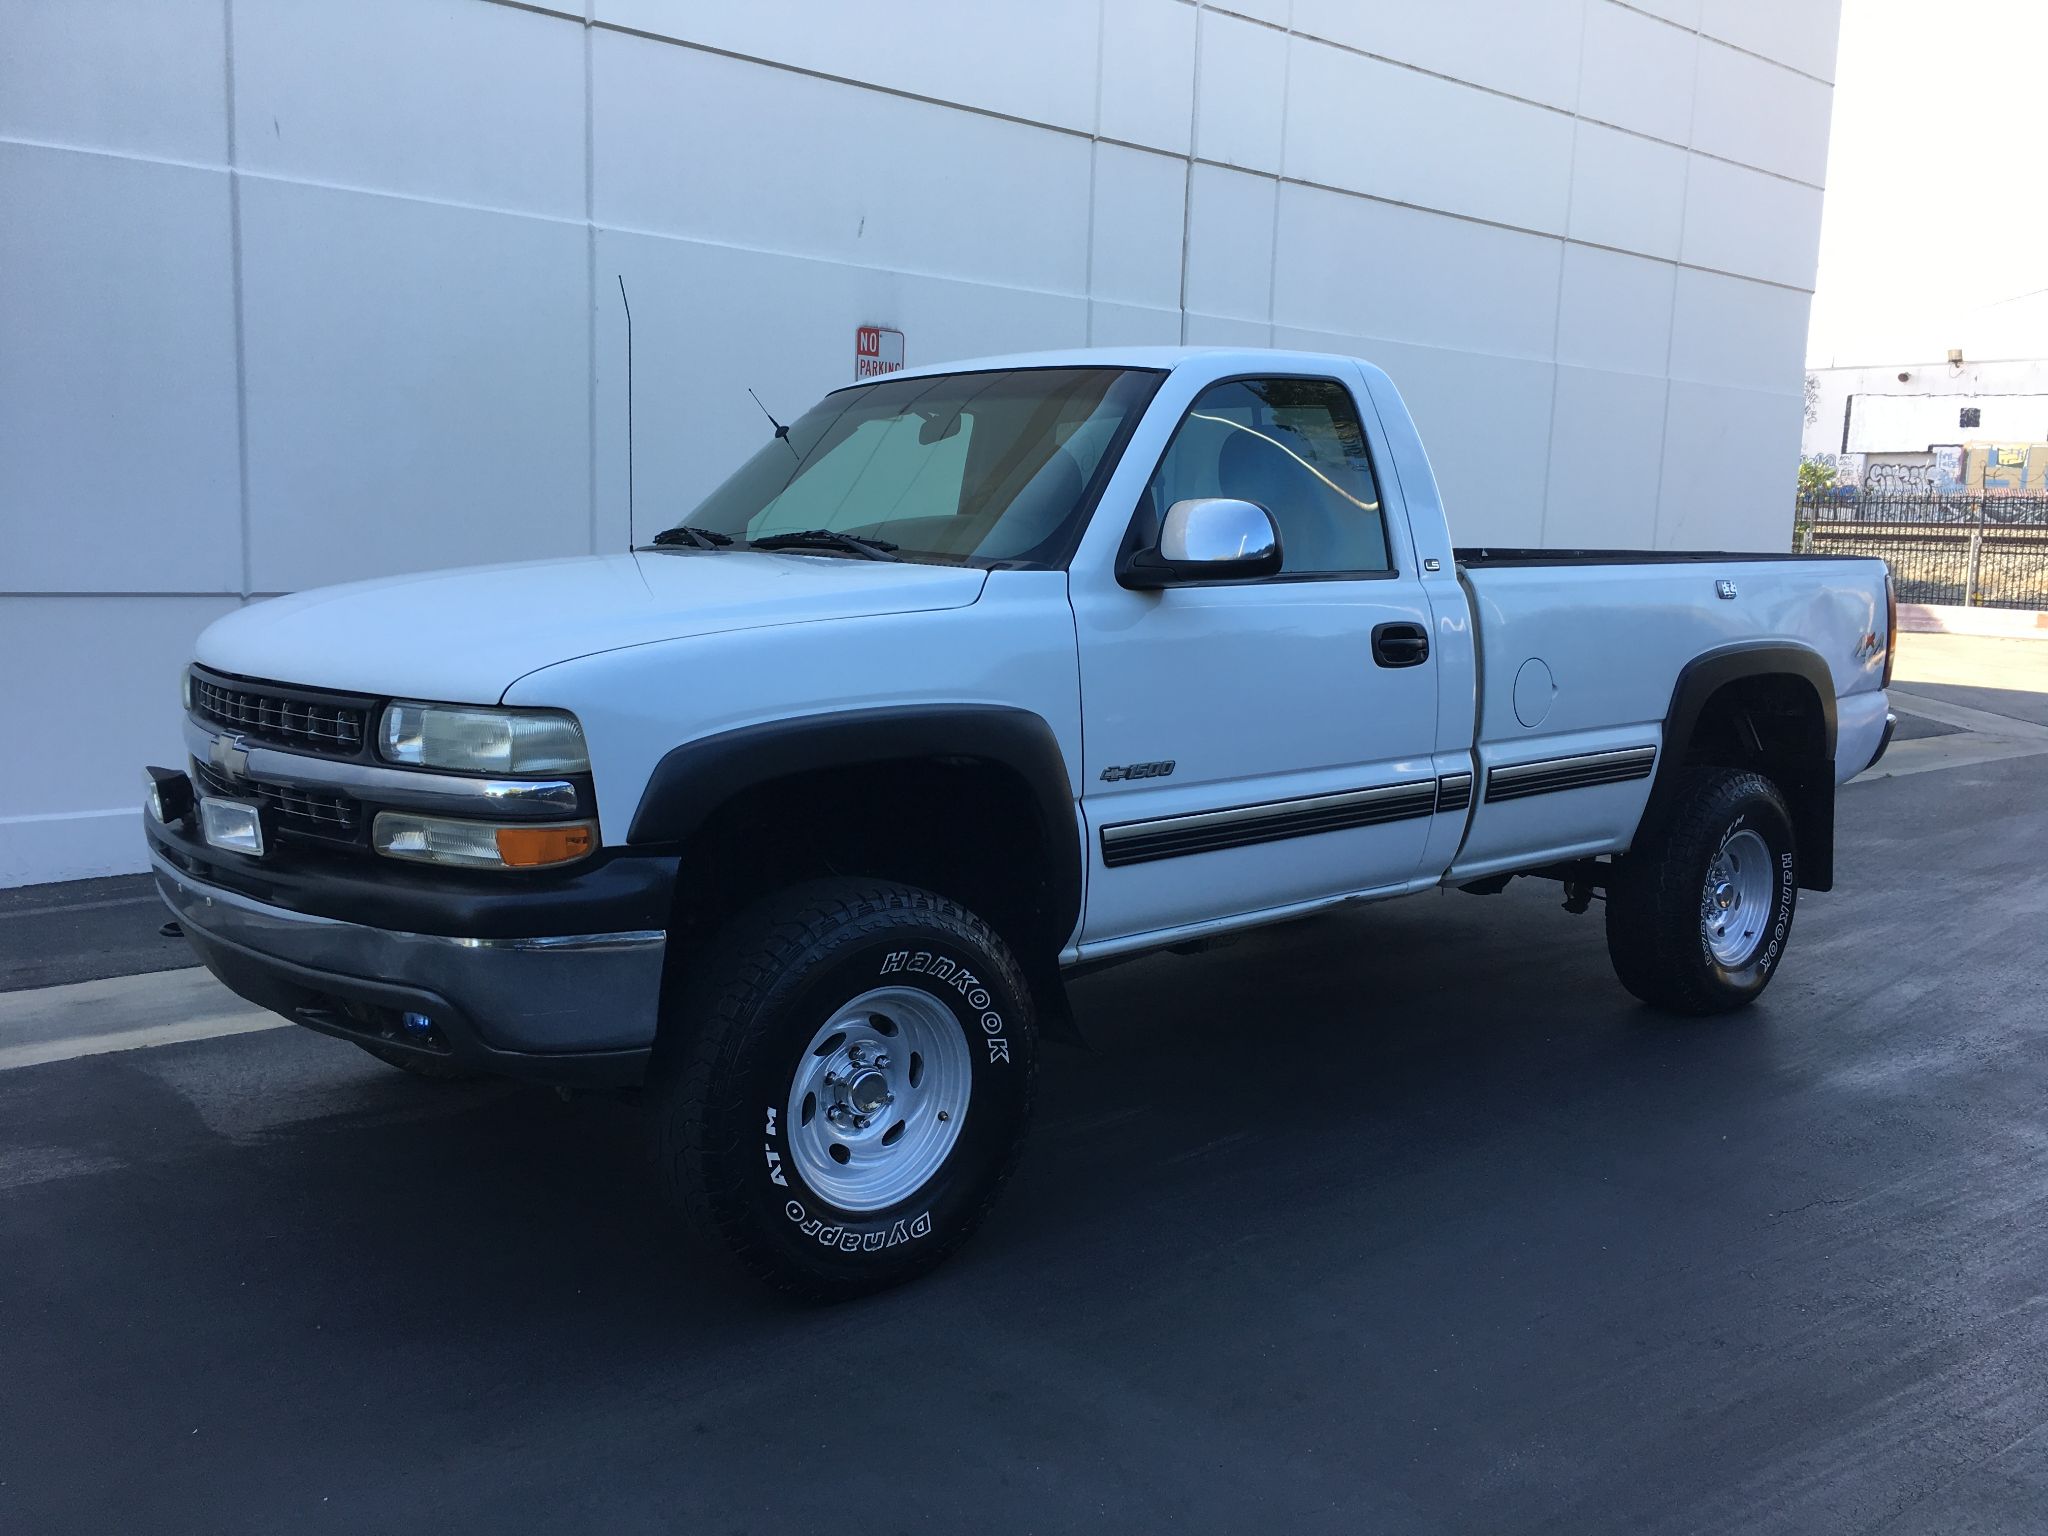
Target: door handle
x=1400 y=644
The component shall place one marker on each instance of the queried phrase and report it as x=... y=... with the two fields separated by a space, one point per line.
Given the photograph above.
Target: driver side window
x=1295 y=447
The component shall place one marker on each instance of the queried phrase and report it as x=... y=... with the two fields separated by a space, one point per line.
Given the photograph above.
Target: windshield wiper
x=686 y=537
x=827 y=538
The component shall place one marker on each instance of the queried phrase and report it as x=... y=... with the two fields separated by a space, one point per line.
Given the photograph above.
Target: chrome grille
x=309 y=724
x=334 y=817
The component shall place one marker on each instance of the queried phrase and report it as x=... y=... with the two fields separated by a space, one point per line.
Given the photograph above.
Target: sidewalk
x=2004 y=676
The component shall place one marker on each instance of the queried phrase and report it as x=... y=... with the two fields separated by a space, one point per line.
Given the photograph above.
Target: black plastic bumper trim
x=315 y=999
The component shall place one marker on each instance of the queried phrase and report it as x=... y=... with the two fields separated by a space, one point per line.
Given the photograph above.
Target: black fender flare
x=694 y=779
x=1813 y=796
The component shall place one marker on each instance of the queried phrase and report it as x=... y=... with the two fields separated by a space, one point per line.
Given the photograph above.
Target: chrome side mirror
x=1209 y=538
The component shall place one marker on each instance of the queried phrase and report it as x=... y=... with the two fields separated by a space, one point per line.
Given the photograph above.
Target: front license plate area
x=233 y=825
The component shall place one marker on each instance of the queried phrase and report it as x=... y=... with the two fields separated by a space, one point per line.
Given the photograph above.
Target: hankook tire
x=843 y=1090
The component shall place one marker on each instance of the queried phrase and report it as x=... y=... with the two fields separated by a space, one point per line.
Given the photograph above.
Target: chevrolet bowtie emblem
x=229 y=756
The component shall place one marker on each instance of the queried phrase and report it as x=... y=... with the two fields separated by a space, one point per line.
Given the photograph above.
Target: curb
x=1943 y=619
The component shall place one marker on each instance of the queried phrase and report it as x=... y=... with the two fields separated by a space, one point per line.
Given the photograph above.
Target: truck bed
x=1579 y=652
x=1485 y=556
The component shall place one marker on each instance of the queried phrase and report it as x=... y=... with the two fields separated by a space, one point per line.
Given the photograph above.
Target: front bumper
x=574 y=1009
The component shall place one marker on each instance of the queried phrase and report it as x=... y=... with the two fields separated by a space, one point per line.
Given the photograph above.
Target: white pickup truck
x=798 y=816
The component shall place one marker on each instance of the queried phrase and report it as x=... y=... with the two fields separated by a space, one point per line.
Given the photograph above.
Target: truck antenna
x=780 y=430
x=629 y=409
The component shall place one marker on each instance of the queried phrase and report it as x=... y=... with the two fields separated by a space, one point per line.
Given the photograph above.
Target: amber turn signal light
x=467 y=844
x=528 y=847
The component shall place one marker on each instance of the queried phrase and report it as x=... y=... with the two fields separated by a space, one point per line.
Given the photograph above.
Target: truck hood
x=466 y=636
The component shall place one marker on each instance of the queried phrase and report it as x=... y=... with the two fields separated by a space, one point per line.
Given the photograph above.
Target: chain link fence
x=1970 y=551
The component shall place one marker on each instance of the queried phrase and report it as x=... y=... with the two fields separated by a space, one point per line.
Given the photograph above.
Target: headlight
x=483 y=740
x=185 y=688
x=479 y=844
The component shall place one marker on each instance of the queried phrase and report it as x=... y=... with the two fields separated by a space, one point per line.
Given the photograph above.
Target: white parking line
x=121 y=1013
x=13 y=1056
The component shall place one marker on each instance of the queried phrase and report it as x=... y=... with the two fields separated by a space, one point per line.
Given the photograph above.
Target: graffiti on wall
x=1961 y=469
x=1891 y=478
x=1903 y=474
x=1940 y=471
x=2005 y=469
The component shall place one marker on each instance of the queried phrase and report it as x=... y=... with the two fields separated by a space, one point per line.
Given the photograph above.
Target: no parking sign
x=876 y=350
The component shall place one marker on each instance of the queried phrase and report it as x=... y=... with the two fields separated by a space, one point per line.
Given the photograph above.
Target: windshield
x=981 y=468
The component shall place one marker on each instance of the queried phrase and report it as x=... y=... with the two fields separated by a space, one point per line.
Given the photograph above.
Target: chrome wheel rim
x=1735 y=901
x=878 y=1099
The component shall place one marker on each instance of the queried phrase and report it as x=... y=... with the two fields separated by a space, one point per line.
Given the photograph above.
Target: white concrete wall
x=294 y=291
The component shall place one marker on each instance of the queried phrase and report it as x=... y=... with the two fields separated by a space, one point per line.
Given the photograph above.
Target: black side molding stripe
x=1169 y=837
x=1582 y=771
x=1453 y=792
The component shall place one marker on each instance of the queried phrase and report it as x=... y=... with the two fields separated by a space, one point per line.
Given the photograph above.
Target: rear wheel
x=847 y=1085
x=1700 y=910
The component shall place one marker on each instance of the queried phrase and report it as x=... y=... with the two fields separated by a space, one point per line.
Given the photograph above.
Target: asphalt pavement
x=1408 y=1220
x=84 y=930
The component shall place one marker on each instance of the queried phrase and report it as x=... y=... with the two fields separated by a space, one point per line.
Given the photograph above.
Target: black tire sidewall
x=1748 y=805
x=771 y=1201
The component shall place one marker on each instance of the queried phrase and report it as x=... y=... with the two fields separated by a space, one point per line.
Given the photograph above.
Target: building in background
x=1953 y=428
x=303 y=291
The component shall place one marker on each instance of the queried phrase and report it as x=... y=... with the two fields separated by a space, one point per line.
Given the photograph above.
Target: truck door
x=1252 y=744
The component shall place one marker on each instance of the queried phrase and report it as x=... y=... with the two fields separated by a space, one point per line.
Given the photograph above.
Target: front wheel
x=1699 y=911
x=847 y=1087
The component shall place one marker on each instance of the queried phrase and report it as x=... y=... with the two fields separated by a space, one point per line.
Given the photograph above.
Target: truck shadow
x=1290 y=1068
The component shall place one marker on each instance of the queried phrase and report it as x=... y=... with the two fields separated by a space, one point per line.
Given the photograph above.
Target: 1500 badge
x=1117 y=773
